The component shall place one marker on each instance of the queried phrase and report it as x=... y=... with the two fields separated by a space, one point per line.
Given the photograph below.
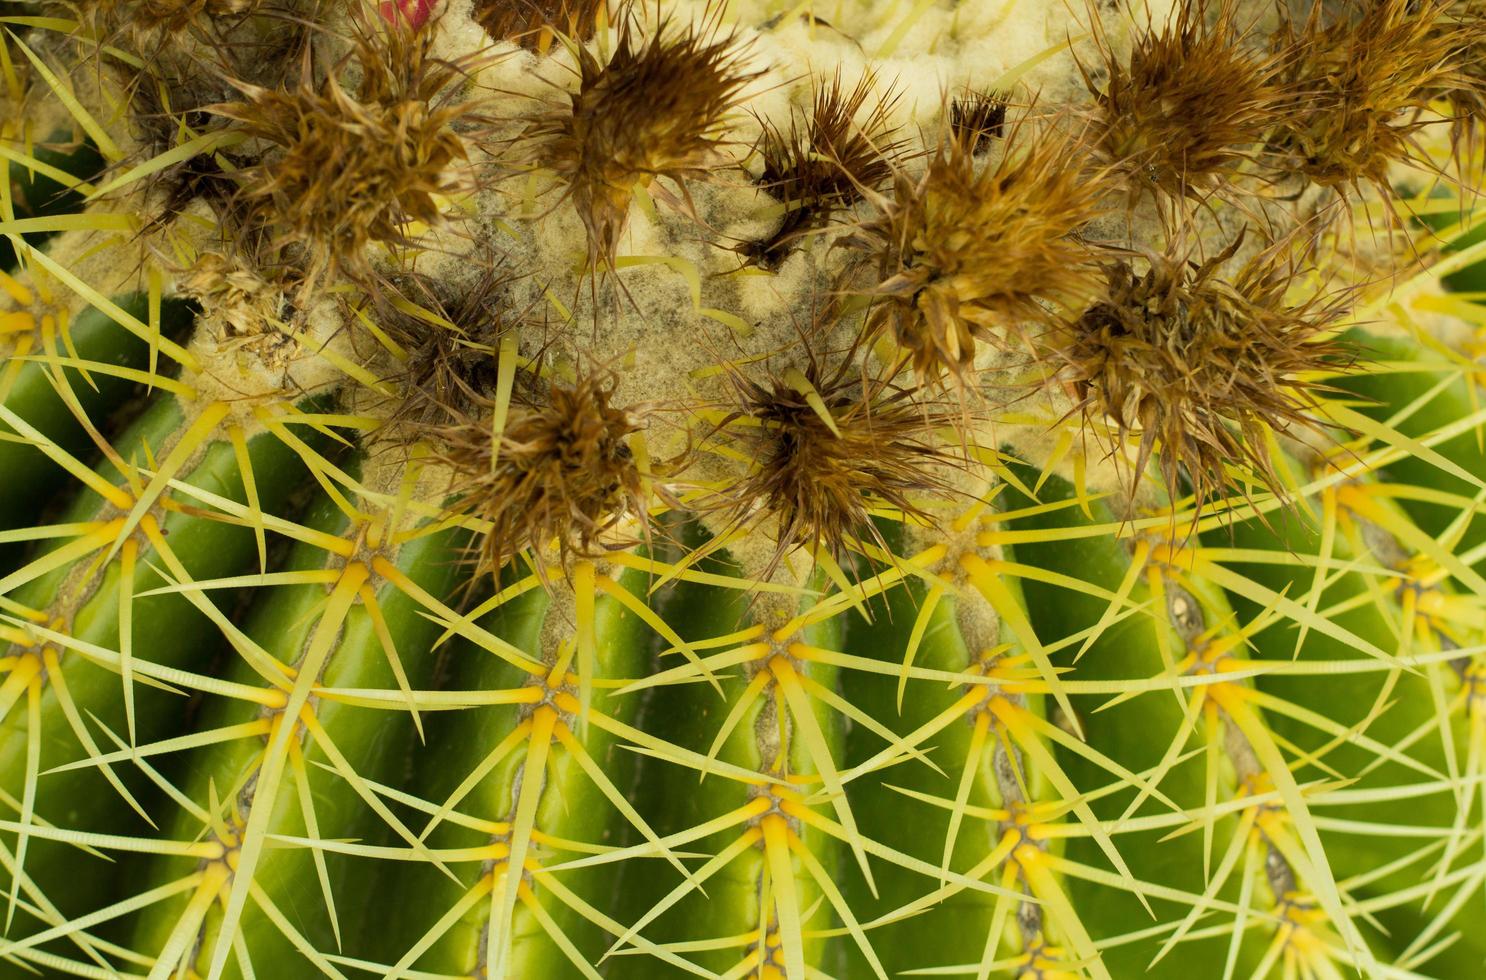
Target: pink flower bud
x=414 y=13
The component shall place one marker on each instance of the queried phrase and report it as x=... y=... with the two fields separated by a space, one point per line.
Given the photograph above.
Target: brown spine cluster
x=1188 y=106
x=990 y=241
x=448 y=341
x=148 y=23
x=1202 y=365
x=654 y=109
x=820 y=471
x=972 y=251
x=1360 y=87
x=534 y=23
x=826 y=161
x=343 y=169
x=977 y=119
x=560 y=477
x=1463 y=27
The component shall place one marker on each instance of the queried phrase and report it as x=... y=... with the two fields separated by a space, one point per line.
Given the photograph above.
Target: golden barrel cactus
x=536 y=489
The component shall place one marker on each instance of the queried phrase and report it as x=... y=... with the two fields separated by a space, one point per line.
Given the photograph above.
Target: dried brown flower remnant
x=978 y=118
x=653 y=110
x=972 y=250
x=1463 y=28
x=235 y=298
x=1201 y=367
x=533 y=23
x=147 y=19
x=1189 y=104
x=564 y=474
x=1358 y=87
x=345 y=170
x=820 y=479
x=826 y=161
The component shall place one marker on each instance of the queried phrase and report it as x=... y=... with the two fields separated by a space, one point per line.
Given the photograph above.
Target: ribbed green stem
x=739 y=917
x=951 y=932
x=80 y=604
x=1443 y=407
x=504 y=742
x=315 y=783
x=1144 y=639
x=31 y=391
x=1419 y=711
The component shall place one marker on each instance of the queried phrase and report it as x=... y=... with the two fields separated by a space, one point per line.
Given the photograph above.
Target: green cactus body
x=518 y=489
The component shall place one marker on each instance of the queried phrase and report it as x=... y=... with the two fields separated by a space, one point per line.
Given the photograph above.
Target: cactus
x=522 y=489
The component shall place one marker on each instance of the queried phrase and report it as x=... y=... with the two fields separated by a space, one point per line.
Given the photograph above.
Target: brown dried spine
x=1189 y=105
x=820 y=482
x=1463 y=28
x=234 y=295
x=347 y=170
x=450 y=343
x=655 y=109
x=971 y=251
x=825 y=162
x=978 y=119
x=533 y=23
x=149 y=22
x=1202 y=367
x=1358 y=89
x=565 y=475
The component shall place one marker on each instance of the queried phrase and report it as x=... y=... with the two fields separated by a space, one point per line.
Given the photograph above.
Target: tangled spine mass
x=560 y=474
x=1206 y=367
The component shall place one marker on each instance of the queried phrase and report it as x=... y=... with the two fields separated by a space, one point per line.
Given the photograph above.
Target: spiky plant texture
x=530 y=489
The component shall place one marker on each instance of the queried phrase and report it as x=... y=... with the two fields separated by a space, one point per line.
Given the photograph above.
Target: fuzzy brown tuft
x=345 y=170
x=146 y=23
x=822 y=486
x=1359 y=85
x=533 y=23
x=977 y=119
x=972 y=251
x=564 y=477
x=1463 y=29
x=1201 y=367
x=826 y=161
x=1183 y=112
x=655 y=109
